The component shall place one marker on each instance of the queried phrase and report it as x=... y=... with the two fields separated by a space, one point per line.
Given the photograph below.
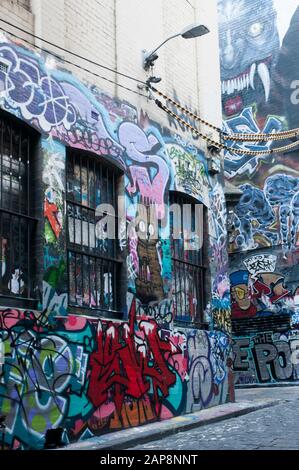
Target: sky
x=285 y=10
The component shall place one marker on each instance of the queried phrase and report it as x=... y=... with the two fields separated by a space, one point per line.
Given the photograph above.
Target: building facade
x=101 y=333
x=259 y=73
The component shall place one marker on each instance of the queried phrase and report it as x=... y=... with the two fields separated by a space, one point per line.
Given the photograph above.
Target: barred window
x=187 y=260
x=93 y=261
x=17 y=221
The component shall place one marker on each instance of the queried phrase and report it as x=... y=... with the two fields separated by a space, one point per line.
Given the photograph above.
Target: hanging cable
x=231 y=137
x=129 y=77
x=219 y=145
x=75 y=65
x=237 y=137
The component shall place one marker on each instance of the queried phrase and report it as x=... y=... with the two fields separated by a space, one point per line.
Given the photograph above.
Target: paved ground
x=256 y=394
x=276 y=427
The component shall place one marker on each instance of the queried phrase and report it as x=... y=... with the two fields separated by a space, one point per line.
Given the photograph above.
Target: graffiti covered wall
x=92 y=376
x=258 y=42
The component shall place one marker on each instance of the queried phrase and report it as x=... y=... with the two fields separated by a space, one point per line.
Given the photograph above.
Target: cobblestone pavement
x=271 y=428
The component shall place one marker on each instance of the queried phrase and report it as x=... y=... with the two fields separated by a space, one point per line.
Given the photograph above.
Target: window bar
x=107 y=186
x=181 y=269
x=179 y=290
x=102 y=284
x=101 y=303
x=28 y=223
x=10 y=173
x=81 y=203
x=72 y=158
x=94 y=292
x=95 y=207
x=198 y=296
x=102 y=200
x=82 y=278
x=175 y=289
x=109 y=285
x=73 y=214
x=180 y=253
x=103 y=267
x=95 y=184
x=89 y=259
x=75 y=278
x=20 y=158
x=101 y=183
x=88 y=187
x=10 y=252
x=115 y=220
x=202 y=298
x=114 y=306
x=198 y=293
x=19 y=218
x=2 y=132
x=1 y=246
x=19 y=236
x=191 y=252
x=195 y=295
x=96 y=282
x=1 y=214
x=88 y=232
x=186 y=313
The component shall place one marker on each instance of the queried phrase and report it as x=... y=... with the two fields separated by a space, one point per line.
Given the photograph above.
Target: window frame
x=98 y=165
x=27 y=214
x=198 y=266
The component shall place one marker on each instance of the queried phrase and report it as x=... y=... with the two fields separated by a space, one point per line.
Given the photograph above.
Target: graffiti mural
x=191 y=174
x=258 y=69
x=54 y=284
x=266 y=357
x=253 y=63
x=92 y=377
x=264 y=304
x=260 y=289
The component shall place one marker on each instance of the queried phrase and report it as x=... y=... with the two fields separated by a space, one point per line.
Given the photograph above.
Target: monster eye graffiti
x=256 y=29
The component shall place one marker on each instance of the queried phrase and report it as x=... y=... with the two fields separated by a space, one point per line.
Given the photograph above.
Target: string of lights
x=236 y=137
x=222 y=146
x=231 y=137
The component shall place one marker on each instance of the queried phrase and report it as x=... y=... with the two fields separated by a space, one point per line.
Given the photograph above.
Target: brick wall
x=115 y=32
x=17 y=12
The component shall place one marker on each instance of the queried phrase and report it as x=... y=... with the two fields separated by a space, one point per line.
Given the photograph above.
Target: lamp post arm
x=166 y=40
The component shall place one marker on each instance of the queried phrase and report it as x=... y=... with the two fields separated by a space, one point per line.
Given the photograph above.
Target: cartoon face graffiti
x=249 y=43
x=241 y=298
x=149 y=285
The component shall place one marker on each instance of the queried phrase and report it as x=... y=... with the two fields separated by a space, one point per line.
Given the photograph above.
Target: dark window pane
x=93 y=263
x=17 y=224
x=188 y=269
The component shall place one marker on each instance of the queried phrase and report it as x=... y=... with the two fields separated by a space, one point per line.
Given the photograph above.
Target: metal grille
x=17 y=224
x=3 y=67
x=188 y=268
x=93 y=263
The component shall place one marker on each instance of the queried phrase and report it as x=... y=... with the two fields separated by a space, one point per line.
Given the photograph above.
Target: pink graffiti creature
x=142 y=149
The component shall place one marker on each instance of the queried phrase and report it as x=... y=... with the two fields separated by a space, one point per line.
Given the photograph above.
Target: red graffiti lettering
x=51 y=211
x=128 y=361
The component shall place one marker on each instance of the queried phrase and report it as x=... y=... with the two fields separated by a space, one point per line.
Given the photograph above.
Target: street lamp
x=192 y=31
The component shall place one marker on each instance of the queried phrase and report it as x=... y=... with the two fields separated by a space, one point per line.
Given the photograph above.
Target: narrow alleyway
x=270 y=428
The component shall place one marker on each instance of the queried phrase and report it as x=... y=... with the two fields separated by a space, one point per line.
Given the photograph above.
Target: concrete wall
x=259 y=69
x=88 y=374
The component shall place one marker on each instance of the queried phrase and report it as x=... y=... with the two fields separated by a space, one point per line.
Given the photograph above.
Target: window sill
x=18 y=303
